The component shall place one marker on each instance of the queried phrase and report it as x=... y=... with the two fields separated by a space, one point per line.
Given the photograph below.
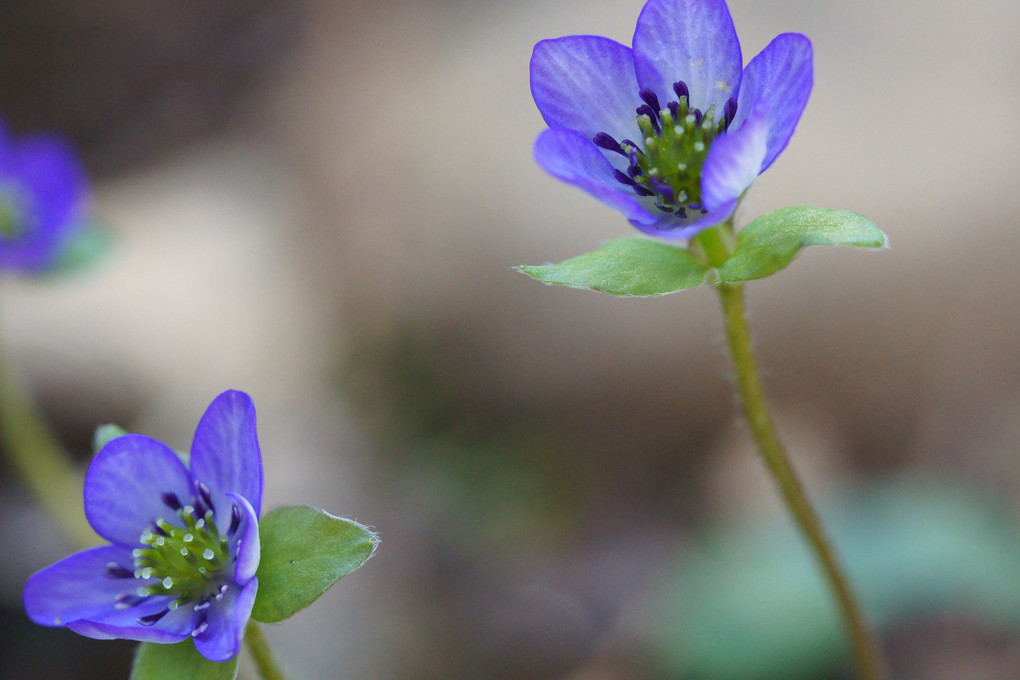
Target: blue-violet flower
x=184 y=542
x=43 y=191
x=704 y=128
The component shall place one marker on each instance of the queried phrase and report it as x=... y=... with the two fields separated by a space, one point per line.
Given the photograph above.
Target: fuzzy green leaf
x=632 y=267
x=172 y=662
x=771 y=241
x=305 y=551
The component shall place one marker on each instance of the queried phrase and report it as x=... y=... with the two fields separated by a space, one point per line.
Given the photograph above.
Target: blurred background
x=320 y=203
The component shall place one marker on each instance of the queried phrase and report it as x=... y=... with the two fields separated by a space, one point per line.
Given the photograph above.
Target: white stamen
x=146 y=573
x=168 y=583
x=184 y=551
x=208 y=554
x=677 y=130
x=690 y=118
x=681 y=166
x=188 y=538
x=699 y=146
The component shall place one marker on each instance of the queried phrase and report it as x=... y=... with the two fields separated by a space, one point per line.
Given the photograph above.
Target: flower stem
x=866 y=652
x=38 y=457
x=258 y=647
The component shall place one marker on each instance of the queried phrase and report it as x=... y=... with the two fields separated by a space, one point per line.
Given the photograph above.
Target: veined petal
x=125 y=485
x=225 y=453
x=222 y=639
x=568 y=155
x=174 y=626
x=249 y=548
x=689 y=40
x=77 y=586
x=734 y=161
x=780 y=77
x=585 y=83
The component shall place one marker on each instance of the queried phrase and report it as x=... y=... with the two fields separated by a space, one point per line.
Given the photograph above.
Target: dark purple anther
x=674 y=110
x=114 y=570
x=604 y=141
x=664 y=208
x=634 y=170
x=153 y=618
x=729 y=111
x=127 y=600
x=235 y=518
x=662 y=189
x=680 y=87
x=623 y=179
x=698 y=116
x=172 y=501
x=694 y=206
x=649 y=98
x=681 y=213
x=646 y=110
x=206 y=495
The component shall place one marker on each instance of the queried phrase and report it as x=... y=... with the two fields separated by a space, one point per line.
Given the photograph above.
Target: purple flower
x=184 y=542
x=42 y=200
x=672 y=132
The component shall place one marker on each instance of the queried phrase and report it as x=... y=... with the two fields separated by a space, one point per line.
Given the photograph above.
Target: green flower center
x=188 y=561
x=666 y=164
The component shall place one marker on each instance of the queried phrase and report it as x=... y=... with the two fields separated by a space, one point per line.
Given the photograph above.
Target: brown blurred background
x=320 y=202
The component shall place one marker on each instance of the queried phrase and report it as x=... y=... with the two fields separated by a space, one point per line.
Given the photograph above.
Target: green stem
x=40 y=460
x=756 y=411
x=258 y=647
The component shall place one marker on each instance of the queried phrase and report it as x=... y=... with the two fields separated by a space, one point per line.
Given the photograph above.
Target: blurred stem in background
x=865 y=648
x=34 y=452
x=258 y=647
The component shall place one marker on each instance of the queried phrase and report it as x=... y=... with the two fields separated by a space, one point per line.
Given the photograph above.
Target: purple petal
x=174 y=626
x=76 y=587
x=734 y=161
x=225 y=453
x=125 y=484
x=222 y=639
x=585 y=83
x=248 y=536
x=568 y=155
x=689 y=40
x=673 y=228
x=780 y=77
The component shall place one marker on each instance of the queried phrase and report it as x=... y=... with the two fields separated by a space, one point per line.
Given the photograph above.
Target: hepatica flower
x=42 y=196
x=184 y=540
x=672 y=131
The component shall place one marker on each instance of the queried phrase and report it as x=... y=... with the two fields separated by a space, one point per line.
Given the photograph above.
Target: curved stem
x=756 y=411
x=258 y=647
x=40 y=460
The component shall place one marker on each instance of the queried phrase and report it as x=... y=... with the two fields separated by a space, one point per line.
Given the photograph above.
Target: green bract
x=305 y=551
x=639 y=267
x=174 y=662
x=632 y=267
x=771 y=241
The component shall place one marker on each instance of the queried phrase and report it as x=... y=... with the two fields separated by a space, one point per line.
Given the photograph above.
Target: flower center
x=187 y=561
x=190 y=563
x=667 y=164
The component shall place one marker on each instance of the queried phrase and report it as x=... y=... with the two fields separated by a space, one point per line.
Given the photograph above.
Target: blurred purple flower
x=704 y=130
x=185 y=542
x=43 y=190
